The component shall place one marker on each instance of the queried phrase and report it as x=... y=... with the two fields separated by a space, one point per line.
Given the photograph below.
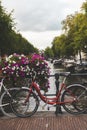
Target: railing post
x=58 y=107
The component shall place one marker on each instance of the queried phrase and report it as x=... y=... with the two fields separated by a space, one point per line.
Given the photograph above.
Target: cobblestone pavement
x=45 y=121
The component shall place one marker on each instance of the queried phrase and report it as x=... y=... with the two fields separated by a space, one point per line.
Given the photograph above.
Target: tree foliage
x=49 y=52
x=10 y=40
x=74 y=38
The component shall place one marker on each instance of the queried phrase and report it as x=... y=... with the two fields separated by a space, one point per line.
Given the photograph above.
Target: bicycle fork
x=27 y=97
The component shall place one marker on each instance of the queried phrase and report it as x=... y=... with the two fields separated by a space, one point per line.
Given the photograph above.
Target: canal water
x=52 y=89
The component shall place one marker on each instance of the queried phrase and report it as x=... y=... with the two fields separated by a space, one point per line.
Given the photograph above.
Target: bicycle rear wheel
x=76 y=106
x=22 y=109
x=5 y=102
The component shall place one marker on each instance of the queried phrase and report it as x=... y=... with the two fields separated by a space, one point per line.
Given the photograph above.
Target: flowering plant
x=20 y=66
x=41 y=68
x=13 y=65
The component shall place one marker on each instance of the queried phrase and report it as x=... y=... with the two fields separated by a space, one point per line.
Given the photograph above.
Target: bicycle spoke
x=79 y=104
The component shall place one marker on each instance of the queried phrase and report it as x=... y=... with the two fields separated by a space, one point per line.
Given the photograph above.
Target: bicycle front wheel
x=22 y=109
x=5 y=102
x=78 y=94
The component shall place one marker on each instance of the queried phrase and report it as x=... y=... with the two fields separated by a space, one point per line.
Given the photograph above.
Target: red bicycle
x=73 y=98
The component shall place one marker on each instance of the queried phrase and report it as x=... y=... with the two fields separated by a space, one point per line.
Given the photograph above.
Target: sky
x=39 y=21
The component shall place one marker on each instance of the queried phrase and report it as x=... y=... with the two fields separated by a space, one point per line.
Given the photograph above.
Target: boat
x=81 y=66
x=57 y=62
x=69 y=64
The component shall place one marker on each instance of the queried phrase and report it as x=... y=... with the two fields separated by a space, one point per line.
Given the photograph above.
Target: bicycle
x=6 y=98
x=73 y=98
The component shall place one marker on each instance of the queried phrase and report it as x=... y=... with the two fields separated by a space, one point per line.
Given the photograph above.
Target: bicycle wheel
x=5 y=102
x=22 y=109
x=79 y=105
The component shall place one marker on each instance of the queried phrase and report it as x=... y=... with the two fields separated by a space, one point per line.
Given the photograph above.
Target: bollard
x=58 y=107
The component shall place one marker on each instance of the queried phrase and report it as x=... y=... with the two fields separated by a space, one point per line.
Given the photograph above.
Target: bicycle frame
x=5 y=90
x=52 y=101
x=2 y=85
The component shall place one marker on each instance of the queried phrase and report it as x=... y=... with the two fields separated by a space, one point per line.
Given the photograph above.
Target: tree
x=74 y=39
x=84 y=7
x=61 y=46
x=49 y=52
x=6 y=25
x=10 y=40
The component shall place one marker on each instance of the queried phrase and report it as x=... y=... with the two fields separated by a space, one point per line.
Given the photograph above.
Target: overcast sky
x=39 y=21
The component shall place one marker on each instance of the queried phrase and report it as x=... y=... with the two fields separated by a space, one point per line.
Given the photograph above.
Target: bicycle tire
x=22 y=109
x=6 y=99
x=76 y=107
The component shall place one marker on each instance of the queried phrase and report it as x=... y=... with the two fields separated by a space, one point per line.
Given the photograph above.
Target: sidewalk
x=45 y=121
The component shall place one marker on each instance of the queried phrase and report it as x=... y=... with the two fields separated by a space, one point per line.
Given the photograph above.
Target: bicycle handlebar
x=60 y=74
x=67 y=74
x=79 y=74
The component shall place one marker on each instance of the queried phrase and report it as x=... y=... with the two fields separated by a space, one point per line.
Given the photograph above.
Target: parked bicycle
x=6 y=98
x=73 y=98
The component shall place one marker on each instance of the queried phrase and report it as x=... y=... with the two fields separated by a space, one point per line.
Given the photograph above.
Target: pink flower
x=37 y=57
